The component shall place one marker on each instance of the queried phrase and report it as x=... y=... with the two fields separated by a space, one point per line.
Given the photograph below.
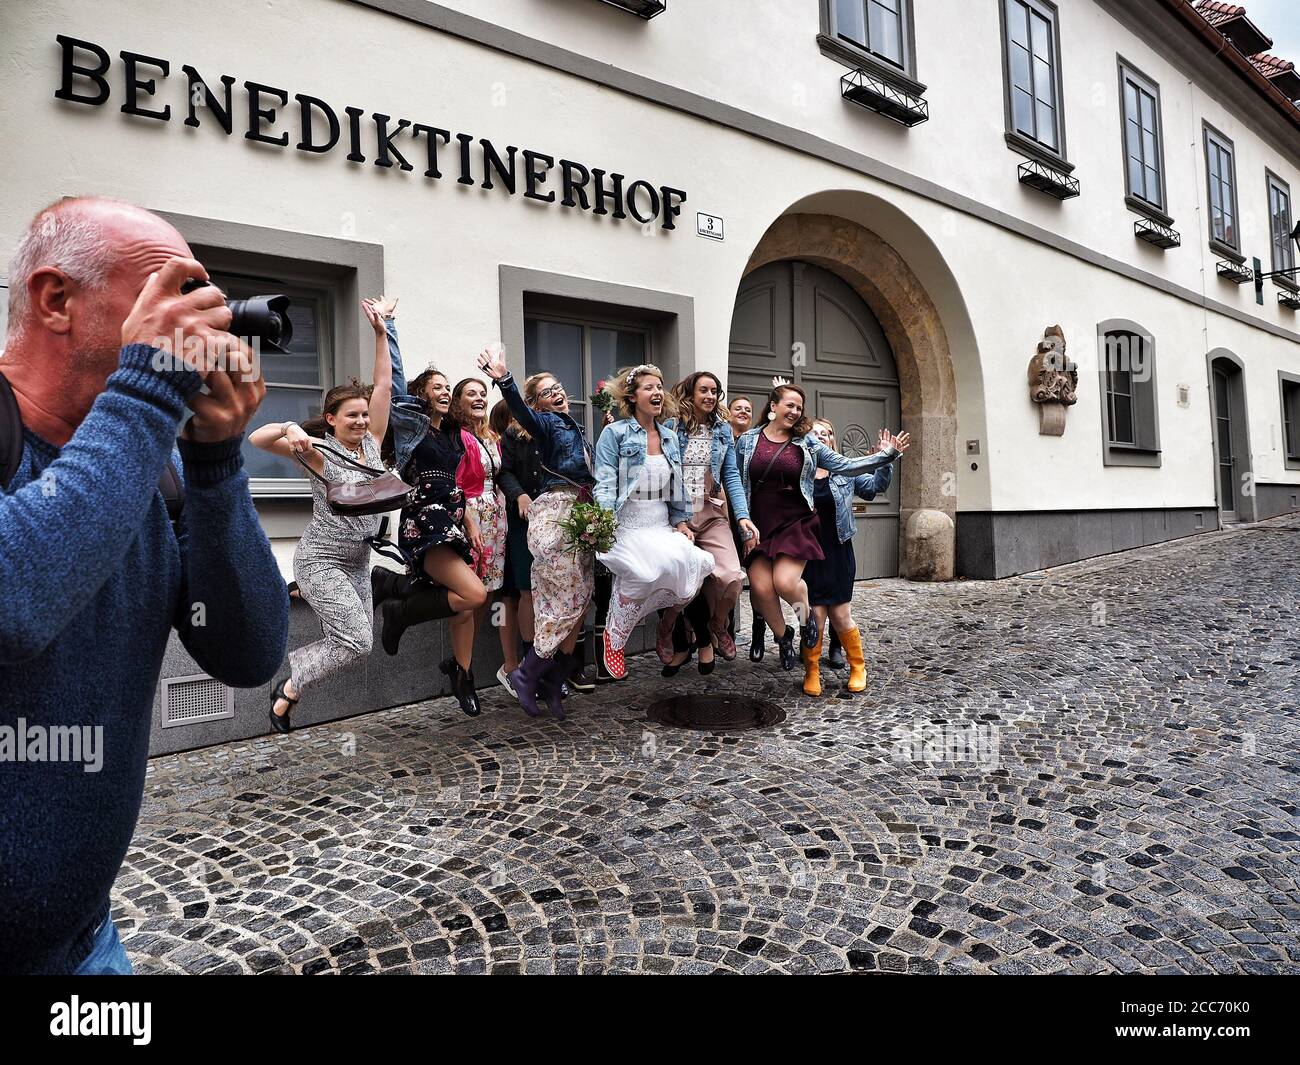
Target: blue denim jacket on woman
x=723 y=455
x=815 y=454
x=620 y=454
x=843 y=489
x=407 y=417
x=561 y=441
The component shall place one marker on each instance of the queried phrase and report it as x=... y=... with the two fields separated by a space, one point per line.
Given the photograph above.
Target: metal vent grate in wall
x=188 y=700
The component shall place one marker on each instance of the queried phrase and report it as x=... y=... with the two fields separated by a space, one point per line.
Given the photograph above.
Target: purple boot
x=552 y=683
x=526 y=679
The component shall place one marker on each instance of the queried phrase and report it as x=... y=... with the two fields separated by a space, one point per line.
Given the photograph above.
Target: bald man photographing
x=105 y=356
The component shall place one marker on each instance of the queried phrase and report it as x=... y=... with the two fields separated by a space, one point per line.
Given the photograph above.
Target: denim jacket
x=725 y=470
x=561 y=441
x=865 y=486
x=620 y=454
x=407 y=419
x=815 y=454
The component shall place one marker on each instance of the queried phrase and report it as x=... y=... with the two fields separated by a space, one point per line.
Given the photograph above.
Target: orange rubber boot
x=851 y=641
x=812 y=668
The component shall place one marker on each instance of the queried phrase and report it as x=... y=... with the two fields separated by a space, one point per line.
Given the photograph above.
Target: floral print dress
x=436 y=517
x=490 y=508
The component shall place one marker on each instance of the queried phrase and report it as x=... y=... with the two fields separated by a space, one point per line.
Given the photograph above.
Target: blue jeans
x=107 y=956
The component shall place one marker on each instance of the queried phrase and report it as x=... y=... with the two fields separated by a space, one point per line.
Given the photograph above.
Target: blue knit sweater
x=92 y=580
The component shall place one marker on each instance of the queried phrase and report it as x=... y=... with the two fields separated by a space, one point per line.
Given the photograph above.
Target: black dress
x=436 y=517
x=830 y=579
x=785 y=524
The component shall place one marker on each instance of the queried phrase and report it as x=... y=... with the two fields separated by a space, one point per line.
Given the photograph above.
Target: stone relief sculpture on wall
x=1053 y=381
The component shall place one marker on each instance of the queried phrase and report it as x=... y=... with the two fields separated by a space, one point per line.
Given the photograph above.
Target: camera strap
x=11 y=454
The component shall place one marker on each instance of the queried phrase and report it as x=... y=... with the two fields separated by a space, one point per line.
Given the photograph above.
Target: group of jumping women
x=697 y=490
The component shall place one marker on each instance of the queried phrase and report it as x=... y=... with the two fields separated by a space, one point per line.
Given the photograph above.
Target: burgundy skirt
x=786 y=524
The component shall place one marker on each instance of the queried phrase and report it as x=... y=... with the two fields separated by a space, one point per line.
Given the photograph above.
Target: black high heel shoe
x=835 y=653
x=281 y=722
x=672 y=671
x=786 y=646
x=462 y=686
x=707 y=667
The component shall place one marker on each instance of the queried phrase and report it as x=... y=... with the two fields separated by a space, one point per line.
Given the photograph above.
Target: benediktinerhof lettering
x=84 y=80
x=422 y=554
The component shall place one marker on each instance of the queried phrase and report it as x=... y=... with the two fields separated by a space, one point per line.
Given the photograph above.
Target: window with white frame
x=1143 y=139
x=1290 y=388
x=295 y=383
x=876 y=26
x=1129 y=409
x=1279 y=227
x=582 y=352
x=1033 y=73
x=1221 y=174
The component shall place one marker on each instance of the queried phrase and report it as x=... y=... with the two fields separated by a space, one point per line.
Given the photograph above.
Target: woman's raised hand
x=376 y=309
x=297 y=438
x=900 y=443
x=492 y=361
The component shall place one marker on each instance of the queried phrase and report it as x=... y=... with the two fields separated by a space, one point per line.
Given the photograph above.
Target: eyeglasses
x=552 y=391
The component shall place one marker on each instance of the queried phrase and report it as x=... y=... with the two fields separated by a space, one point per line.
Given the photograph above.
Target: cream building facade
x=890 y=201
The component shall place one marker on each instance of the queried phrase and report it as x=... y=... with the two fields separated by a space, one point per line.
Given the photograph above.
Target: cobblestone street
x=1091 y=770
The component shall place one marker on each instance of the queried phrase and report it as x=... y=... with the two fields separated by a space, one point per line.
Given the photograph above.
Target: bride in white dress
x=654 y=560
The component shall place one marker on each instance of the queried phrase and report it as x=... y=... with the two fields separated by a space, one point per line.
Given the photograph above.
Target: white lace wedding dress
x=654 y=566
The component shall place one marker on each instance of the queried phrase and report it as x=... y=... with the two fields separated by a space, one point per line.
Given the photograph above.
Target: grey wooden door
x=1224 y=378
x=806 y=324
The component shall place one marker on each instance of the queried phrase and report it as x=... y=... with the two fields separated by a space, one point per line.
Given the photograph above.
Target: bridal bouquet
x=601 y=400
x=589 y=527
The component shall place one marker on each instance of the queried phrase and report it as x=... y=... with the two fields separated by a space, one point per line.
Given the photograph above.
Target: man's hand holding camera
x=197 y=323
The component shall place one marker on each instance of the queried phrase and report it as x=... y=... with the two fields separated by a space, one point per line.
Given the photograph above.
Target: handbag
x=586 y=493
x=385 y=490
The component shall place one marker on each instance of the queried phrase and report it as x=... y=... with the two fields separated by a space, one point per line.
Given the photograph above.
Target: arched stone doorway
x=928 y=393
x=1228 y=418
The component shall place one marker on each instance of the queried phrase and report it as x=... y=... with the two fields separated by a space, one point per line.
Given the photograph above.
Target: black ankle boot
x=759 y=638
x=385 y=584
x=835 y=653
x=462 y=685
x=427 y=602
x=580 y=678
x=786 y=646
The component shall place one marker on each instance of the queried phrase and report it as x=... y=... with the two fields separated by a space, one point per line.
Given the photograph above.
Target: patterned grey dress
x=332 y=568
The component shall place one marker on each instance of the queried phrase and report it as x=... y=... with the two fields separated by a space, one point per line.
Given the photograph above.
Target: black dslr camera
x=264 y=318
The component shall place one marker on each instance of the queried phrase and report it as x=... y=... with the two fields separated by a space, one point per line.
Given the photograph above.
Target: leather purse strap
x=321 y=446
x=763 y=479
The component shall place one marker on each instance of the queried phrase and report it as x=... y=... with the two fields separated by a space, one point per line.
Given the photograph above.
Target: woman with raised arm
x=830 y=579
x=708 y=454
x=331 y=564
x=778 y=460
x=561 y=576
x=427 y=451
x=654 y=560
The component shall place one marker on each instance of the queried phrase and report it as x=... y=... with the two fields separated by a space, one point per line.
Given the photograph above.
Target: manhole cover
x=716 y=713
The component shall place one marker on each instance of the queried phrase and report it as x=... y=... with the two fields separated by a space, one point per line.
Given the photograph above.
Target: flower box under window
x=1154 y=233
x=1048 y=180
x=876 y=94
